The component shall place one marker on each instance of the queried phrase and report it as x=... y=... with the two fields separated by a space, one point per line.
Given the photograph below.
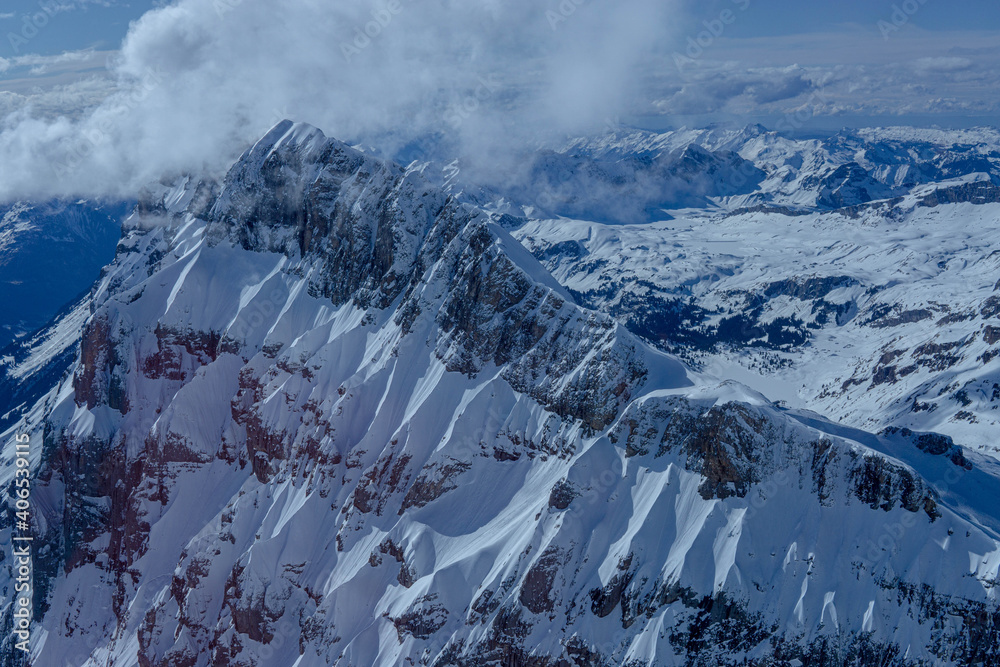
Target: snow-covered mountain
x=874 y=321
x=327 y=413
x=878 y=313
x=636 y=176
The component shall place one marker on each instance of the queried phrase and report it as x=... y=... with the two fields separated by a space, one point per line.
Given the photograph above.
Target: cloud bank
x=849 y=71
x=197 y=80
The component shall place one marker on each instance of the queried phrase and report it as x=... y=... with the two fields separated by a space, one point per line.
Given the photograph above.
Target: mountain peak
x=290 y=135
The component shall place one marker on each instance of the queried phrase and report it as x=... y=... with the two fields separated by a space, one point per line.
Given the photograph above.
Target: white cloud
x=197 y=80
x=943 y=64
x=847 y=72
x=40 y=64
x=200 y=78
x=73 y=99
x=47 y=87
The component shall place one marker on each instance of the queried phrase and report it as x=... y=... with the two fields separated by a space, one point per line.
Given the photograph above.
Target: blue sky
x=101 y=24
x=80 y=25
x=196 y=80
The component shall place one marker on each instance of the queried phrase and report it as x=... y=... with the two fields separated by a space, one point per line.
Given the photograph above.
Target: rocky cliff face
x=325 y=414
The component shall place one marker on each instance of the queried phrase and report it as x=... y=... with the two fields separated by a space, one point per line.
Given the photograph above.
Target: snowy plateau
x=704 y=397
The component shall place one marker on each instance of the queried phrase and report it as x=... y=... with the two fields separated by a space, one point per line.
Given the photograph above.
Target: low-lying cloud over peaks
x=197 y=80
